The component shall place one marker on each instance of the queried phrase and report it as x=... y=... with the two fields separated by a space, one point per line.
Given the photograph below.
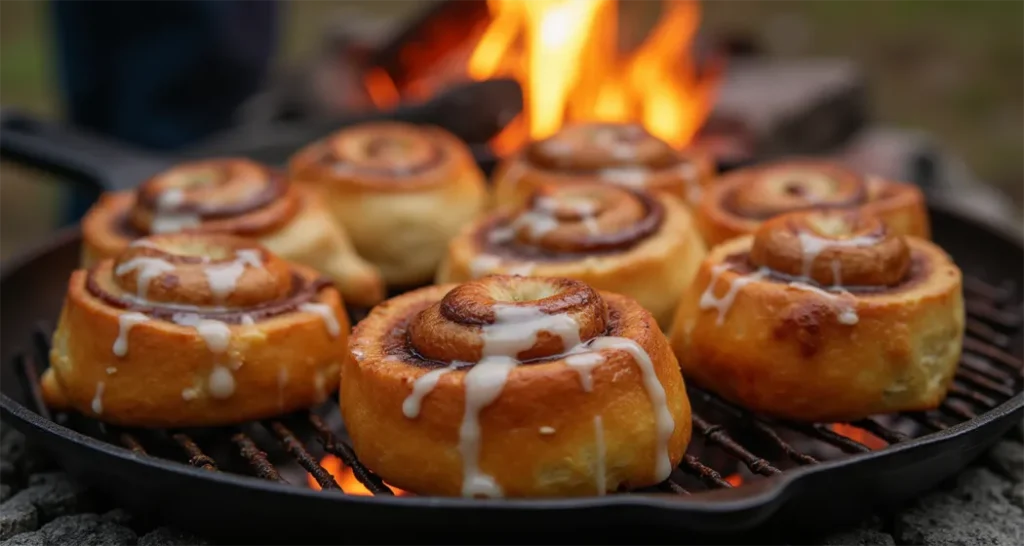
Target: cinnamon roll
x=233 y=196
x=741 y=200
x=620 y=154
x=401 y=190
x=632 y=242
x=514 y=386
x=195 y=330
x=824 y=315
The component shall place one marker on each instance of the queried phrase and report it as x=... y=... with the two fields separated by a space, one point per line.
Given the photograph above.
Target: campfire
x=565 y=56
x=346 y=478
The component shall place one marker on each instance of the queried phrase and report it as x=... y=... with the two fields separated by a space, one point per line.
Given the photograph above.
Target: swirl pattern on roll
x=493 y=337
x=742 y=199
x=224 y=195
x=620 y=154
x=851 y=318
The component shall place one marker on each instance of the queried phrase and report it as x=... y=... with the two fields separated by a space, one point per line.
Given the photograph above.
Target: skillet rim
x=767 y=495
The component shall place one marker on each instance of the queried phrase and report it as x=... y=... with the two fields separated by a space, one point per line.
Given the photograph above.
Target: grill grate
x=727 y=439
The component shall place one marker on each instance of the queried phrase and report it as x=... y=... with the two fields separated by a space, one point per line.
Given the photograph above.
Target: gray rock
x=34 y=538
x=975 y=512
x=1016 y=494
x=12 y=450
x=860 y=535
x=17 y=518
x=167 y=536
x=79 y=530
x=1007 y=458
x=54 y=494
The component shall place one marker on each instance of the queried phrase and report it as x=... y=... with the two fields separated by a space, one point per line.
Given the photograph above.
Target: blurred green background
x=953 y=68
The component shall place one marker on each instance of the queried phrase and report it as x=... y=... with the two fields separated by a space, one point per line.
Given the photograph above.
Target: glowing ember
x=345 y=478
x=564 y=54
x=859 y=435
x=734 y=480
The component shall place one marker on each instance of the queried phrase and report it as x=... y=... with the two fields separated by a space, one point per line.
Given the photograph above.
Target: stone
x=54 y=494
x=1016 y=494
x=975 y=512
x=168 y=536
x=1007 y=458
x=860 y=535
x=34 y=538
x=12 y=447
x=80 y=530
x=17 y=518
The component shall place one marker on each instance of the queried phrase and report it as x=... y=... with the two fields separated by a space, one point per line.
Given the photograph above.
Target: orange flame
x=859 y=435
x=563 y=53
x=345 y=478
x=734 y=480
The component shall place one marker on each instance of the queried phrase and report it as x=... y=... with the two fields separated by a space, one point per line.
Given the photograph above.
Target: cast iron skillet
x=238 y=508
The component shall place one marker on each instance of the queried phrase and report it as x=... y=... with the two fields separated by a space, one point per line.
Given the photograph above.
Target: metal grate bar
x=957 y=411
x=256 y=457
x=997 y=355
x=196 y=457
x=960 y=392
x=791 y=452
x=670 y=486
x=979 y=366
x=825 y=434
x=878 y=429
x=986 y=332
x=340 y=449
x=303 y=457
x=717 y=434
x=988 y=291
x=926 y=420
x=132 y=443
x=980 y=381
x=986 y=311
x=691 y=465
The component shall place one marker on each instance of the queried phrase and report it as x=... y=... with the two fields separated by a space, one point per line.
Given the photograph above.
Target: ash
x=40 y=505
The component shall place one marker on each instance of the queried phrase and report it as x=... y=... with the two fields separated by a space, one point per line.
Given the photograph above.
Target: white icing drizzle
x=547 y=431
x=149 y=269
x=515 y=329
x=223 y=278
x=591 y=224
x=663 y=421
x=247 y=320
x=812 y=246
x=167 y=219
x=502 y=234
x=584 y=364
x=143 y=243
x=215 y=333
x=358 y=354
x=847 y=313
x=629 y=177
x=320 y=385
x=537 y=223
x=421 y=387
x=483 y=264
x=326 y=313
x=189 y=393
x=221 y=383
x=600 y=471
x=708 y=300
x=111 y=370
x=97 y=400
x=125 y=322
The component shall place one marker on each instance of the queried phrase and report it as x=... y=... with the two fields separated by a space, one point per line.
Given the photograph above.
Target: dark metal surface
x=228 y=484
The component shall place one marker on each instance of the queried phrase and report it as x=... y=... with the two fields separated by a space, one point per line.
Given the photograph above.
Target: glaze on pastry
x=514 y=386
x=402 y=191
x=823 y=316
x=239 y=197
x=632 y=242
x=620 y=154
x=195 y=330
x=740 y=200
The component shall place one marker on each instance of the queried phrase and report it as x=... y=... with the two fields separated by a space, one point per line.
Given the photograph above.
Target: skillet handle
x=77 y=155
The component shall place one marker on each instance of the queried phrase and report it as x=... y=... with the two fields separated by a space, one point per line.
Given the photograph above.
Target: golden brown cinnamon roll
x=620 y=154
x=741 y=200
x=401 y=190
x=195 y=330
x=823 y=316
x=233 y=196
x=631 y=242
x=514 y=386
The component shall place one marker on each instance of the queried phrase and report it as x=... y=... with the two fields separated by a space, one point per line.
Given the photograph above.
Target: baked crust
x=794 y=347
x=402 y=191
x=619 y=154
x=741 y=200
x=649 y=260
x=169 y=369
x=290 y=221
x=538 y=437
